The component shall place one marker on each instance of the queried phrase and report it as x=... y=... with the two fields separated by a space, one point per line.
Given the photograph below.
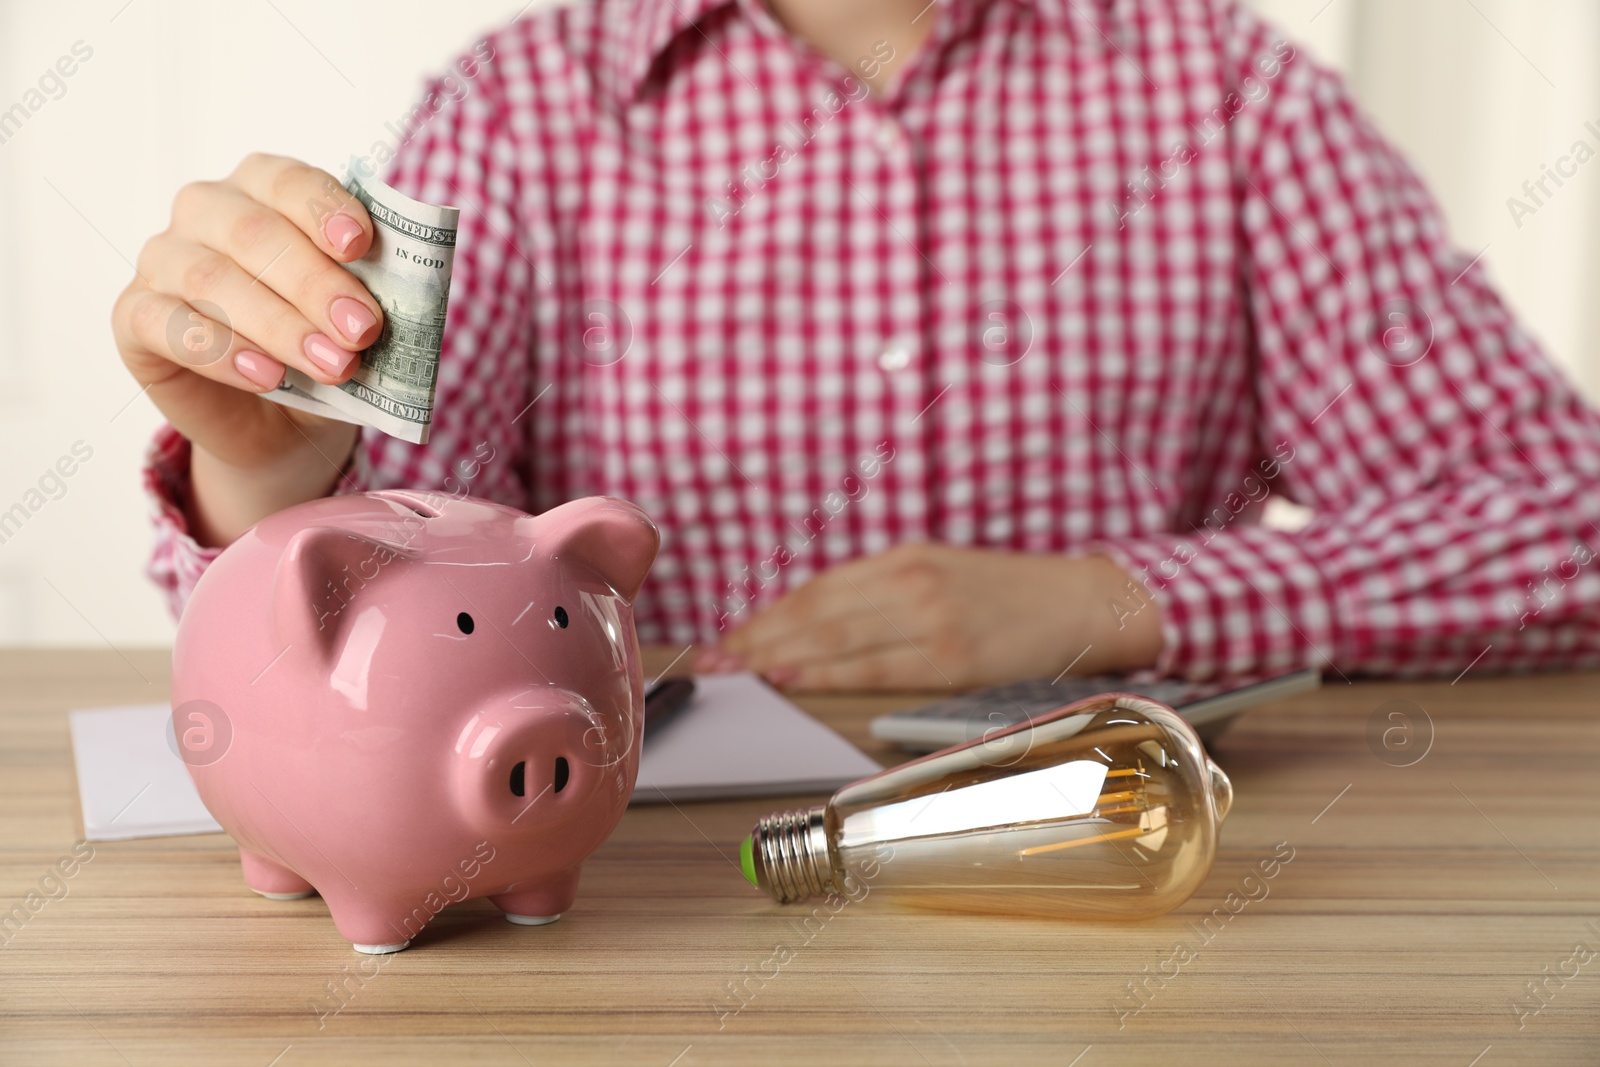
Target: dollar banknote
x=407 y=271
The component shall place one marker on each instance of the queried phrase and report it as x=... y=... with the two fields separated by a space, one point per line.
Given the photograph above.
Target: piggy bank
x=401 y=699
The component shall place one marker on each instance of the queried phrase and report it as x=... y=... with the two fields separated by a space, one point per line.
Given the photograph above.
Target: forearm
x=225 y=500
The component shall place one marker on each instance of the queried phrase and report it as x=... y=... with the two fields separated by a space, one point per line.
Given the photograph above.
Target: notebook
x=130 y=783
x=737 y=738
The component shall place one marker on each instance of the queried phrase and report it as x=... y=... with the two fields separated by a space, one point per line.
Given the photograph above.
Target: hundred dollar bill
x=407 y=271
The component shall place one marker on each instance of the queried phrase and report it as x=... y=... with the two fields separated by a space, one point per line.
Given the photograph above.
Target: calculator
x=1208 y=706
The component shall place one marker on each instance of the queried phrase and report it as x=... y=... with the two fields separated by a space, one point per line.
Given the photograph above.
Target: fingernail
x=340 y=230
x=352 y=317
x=262 y=370
x=782 y=676
x=328 y=355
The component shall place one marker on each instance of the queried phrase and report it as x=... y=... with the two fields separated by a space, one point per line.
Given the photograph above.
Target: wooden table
x=1419 y=902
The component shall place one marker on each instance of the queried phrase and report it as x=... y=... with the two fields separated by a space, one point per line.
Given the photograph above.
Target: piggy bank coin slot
x=410 y=503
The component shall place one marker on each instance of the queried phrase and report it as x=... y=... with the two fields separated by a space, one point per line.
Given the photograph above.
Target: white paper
x=737 y=738
x=130 y=783
x=740 y=738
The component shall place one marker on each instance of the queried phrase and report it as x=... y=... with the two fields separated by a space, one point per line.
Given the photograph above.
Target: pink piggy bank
x=402 y=699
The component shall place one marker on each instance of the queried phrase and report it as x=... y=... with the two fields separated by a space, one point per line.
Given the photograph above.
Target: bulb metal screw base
x=789 y=850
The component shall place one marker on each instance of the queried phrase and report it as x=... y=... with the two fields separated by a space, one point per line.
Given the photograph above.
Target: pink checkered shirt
x=1095 y=275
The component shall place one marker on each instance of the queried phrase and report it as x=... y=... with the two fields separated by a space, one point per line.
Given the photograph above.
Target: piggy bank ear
x=611 y=537
x=319 y=581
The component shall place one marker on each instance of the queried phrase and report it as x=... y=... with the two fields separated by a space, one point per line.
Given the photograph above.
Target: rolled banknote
x=407 y=271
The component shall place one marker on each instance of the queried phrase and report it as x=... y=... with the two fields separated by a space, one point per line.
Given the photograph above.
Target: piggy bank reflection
x=410 y=699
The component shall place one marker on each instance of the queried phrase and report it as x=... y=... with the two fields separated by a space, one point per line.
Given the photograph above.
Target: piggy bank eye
x=561 y=616
x=464 y=623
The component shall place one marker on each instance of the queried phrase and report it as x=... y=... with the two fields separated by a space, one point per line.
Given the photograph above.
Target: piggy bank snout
x=532 y=761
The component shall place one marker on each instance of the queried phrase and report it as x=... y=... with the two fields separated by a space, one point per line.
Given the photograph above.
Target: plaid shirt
x=1096 y=275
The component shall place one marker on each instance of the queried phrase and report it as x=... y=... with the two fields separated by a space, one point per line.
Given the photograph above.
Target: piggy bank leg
x=539 y=901
x=372 y=927
x=272 y=879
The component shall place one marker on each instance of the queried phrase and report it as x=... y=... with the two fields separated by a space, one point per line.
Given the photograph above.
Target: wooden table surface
x=1419 y=903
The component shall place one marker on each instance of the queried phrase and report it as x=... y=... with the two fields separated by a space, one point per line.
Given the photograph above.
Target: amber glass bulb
x=1104 y=809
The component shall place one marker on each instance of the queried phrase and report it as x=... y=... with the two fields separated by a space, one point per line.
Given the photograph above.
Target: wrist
x=226 y=500
x=1124 y=620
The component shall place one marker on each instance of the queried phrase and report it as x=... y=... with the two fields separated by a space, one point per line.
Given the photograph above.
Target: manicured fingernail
x=327 y=354
x=352 y=317
x=340 y=230
x=262 y=370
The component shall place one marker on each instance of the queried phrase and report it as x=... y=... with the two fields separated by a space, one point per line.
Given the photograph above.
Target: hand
x=259 y=251
x=928 y=616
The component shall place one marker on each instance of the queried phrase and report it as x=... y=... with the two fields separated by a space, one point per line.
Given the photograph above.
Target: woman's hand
x=928 y=616
x=244 y=282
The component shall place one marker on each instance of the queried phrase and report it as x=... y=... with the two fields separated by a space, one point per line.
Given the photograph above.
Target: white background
x=1480 y=92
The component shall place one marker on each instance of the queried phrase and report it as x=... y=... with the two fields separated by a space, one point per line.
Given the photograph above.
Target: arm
x=1453 y=473
x=203 y=500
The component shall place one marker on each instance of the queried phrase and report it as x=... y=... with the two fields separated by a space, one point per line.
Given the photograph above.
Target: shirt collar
x=654 y=26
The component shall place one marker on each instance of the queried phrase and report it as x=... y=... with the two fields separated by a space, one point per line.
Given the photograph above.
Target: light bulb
x=1108 y=808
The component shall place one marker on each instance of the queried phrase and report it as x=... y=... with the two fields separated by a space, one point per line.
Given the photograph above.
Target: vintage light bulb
x=1104 y=809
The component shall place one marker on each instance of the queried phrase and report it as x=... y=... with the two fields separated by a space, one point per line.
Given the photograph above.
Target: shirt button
x=896 y=355
x=888 y=136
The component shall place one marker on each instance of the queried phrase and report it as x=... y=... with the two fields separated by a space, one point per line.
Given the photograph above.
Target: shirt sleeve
x=452 y=152
x=1452 y=472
